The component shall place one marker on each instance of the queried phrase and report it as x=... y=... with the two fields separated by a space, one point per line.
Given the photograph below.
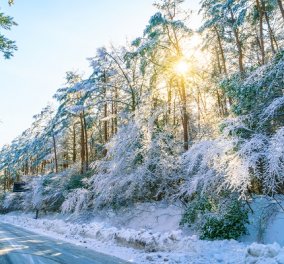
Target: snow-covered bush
x=48 y=192
x=222 y=217
x=140 y=166
x=76 y=201
x=256 y=163
x=2 y=197
x=230 y=223
x=196 y=209
x=244 y=165
x=13 y=202
x=252 y=91
x=203 y=167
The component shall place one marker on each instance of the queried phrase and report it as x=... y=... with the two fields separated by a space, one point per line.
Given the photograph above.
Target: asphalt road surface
x=19 y=246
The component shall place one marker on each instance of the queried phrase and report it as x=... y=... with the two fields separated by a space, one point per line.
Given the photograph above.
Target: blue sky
x=53 y=37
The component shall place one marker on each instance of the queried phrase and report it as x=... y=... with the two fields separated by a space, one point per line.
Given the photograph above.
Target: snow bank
x=267 y=221
x=157 y=217
x=265 y=254
x=145 y=246
x=142 y=239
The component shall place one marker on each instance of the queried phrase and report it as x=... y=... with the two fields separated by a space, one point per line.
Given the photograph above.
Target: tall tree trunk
x=86 y=141
x=257 y=47
x=74 y=144
x=261 y=37
x=271 y=34
x=238 y=43
x=112 y=118
x=240 y=50
x=115 y=110
x=280 y=4
x=218 y=61
x=185 y=118
x=221 y=110
x=105 y=124
x=220 y=102
x=55 y=153
x=105 y=112
x=169 y=104
x=221 y=50
x=174 y=114
x=83 y=148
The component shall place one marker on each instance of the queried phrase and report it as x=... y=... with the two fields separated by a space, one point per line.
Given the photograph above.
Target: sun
x=181 y=67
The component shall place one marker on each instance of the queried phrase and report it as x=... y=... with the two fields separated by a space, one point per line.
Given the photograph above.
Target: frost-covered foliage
x=55 y=187
x=49 y=192
x=248 y=157
x=258 y=89
x=32 y=147
x=37 y=192
x=7 y=46
x=235 y=164
x=76 y=201
x=204 y=170
x=217 y=217
x=12 y=202
x=33 y=197
x=140 y=166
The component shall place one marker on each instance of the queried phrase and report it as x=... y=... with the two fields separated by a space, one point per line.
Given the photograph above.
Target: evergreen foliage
x=217 y=217
x=7 y=46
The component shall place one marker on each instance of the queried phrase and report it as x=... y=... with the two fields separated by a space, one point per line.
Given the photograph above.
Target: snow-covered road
x=18 y=245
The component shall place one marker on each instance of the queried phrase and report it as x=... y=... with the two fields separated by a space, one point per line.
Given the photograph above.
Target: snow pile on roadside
x=144 y=246
x=157 y=217
x=142 y=239
x=265 y=254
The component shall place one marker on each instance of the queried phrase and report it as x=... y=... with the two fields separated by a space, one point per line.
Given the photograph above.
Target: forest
x=183 y=115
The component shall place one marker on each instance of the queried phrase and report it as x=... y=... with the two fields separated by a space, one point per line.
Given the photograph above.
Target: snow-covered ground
x=148 y=234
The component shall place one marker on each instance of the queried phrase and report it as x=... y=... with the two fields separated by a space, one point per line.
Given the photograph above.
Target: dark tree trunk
x=238 y=43
x=221 y=50
x=261 y=37
x=185 y=118
x=74 y=144
x=105 y=124
x=86 y=141
x=55 y=154
x=83 y=149
x=280 y=4
x=115 y=110
x=271 y=34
